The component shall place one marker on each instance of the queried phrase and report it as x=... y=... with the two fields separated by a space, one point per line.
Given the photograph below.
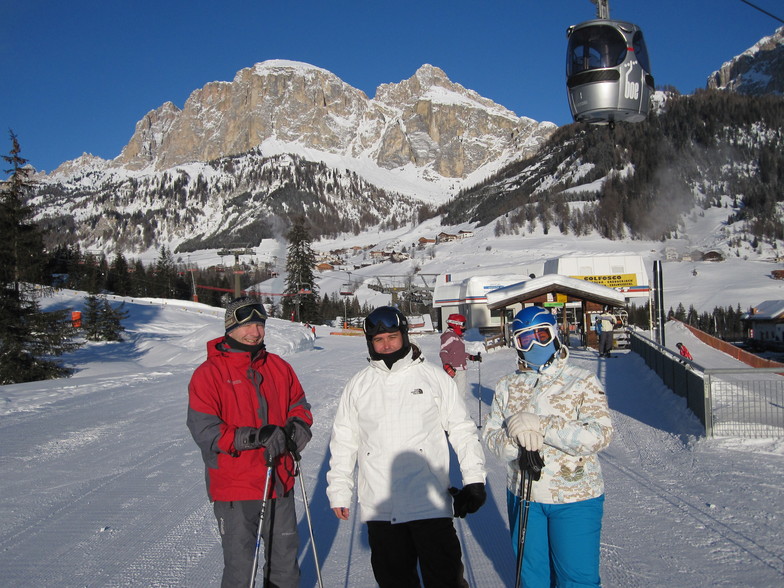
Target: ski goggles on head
x=525 y=339
x=249 y=312
x=383 y=320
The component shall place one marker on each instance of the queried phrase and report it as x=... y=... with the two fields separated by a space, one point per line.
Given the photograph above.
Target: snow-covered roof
x=554 y=283
x=767 y=310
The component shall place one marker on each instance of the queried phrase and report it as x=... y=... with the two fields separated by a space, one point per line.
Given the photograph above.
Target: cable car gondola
x=608 y=74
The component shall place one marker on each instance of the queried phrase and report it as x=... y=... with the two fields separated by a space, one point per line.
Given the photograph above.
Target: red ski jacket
x=229 y=390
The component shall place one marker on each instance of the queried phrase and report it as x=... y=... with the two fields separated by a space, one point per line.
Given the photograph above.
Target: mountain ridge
x=418 y=144
x=411 y=122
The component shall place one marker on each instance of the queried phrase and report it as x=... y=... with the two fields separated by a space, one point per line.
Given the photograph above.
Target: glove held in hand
x=526 y=429
x=532 y=463
x=298 y=435
x=469 y=499
x=273 y=439
x=246 y=438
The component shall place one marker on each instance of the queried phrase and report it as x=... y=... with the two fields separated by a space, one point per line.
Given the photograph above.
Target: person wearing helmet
x=246 y=409
x=684 y=351
x=394 y=423
x=559 y=410
x=453 y=352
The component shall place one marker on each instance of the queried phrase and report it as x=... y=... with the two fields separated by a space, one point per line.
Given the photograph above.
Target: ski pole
x=522 y=521
x=264 y=501
x=298 y=473
x=531 y=464
x=479 y=368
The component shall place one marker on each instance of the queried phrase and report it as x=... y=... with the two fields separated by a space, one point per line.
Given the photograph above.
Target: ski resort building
x=469 y=297
x=624 y=273
x=765 y=325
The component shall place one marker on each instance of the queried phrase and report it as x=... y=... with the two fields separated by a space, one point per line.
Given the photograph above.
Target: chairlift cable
x=762 y=10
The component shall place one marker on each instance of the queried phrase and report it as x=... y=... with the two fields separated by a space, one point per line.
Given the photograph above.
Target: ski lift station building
x=626 y=274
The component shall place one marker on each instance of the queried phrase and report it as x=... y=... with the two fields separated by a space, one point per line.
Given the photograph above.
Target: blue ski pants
x=561 y=542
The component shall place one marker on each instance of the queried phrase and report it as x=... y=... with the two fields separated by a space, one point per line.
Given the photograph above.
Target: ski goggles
x=382 y=320
x=249 y=312
x=541 y=335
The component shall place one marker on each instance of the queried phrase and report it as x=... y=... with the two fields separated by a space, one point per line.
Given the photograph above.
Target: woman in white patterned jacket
x=560 y=411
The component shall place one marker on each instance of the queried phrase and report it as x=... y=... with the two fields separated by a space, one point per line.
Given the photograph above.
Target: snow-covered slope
x=102 y=484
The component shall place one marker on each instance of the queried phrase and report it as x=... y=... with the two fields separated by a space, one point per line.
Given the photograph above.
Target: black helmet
x=385 y=319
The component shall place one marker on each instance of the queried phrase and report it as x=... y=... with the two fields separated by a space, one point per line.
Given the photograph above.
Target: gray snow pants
x=238 y=522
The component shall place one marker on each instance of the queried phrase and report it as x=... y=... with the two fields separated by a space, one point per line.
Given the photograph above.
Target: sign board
x=611 y=281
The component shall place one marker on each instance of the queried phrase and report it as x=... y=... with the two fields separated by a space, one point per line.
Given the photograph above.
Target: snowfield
x=103 y=486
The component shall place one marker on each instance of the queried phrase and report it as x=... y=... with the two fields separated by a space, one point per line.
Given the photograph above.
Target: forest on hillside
x=695 y=151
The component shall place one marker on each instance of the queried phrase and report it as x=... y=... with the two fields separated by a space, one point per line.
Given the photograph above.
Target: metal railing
x=745 y=402
x=739 y=402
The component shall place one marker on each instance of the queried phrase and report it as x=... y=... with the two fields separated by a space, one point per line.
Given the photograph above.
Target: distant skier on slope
x=684 y=351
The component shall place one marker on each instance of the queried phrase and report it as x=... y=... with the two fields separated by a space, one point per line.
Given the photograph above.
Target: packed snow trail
x=103 y=486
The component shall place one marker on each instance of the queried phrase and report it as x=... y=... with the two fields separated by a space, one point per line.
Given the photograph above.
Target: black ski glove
x=298 y=435
x=273 y=439
x=246 y=438
x=531 y=462
x=468 y=499
x=477 y=357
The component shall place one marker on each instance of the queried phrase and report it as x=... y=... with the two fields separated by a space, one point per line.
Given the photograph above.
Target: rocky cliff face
x=427 y=121
x=758 y=70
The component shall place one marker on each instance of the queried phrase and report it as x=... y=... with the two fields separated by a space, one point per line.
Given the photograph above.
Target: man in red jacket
x=246 y=409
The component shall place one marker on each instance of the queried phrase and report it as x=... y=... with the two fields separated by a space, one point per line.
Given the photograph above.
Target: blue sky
x=78 y=75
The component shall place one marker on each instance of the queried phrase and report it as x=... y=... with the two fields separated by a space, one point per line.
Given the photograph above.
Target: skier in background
x=684 y=351
x=453 y=352
x=605 y=323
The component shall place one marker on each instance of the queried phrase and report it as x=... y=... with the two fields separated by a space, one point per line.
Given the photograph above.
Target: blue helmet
x=535 y=336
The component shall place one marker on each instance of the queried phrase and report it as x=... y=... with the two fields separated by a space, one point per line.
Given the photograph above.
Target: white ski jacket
x=392 y=424
x=575 y=422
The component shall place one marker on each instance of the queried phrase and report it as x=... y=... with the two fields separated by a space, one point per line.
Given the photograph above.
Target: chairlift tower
x=346 y=290
x=238 y=271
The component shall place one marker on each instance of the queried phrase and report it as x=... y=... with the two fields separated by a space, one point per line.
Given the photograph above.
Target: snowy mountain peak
x=758 y=70
x=427 y=121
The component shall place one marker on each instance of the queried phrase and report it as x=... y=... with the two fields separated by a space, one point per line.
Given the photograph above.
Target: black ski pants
x=396 y=549
x=238 y=523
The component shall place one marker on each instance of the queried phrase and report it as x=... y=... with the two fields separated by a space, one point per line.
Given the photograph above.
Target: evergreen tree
x=91 y=318
x=680 y=313
x=119 y=279
x=301 y=294
x=111 y=320
x=101 y=321
x=29 y=338
x=140 y=285
x=165 y=275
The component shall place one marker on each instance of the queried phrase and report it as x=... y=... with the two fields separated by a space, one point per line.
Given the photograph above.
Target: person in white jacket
x=394 y=423
x=561 y=411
